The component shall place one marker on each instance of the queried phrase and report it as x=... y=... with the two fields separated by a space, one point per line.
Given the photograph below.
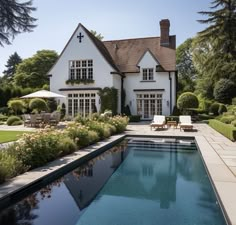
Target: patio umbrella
x=43 y=94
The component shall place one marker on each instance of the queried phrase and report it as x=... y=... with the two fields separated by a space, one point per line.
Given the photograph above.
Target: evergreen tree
x=12 y=62
x=97 y=35
x=222 y=29
x=14 y=19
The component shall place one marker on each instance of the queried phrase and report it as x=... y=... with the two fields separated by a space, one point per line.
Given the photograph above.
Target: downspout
x=170 y=92
x=122 y=96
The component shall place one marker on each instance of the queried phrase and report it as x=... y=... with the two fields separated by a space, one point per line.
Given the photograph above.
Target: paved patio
x=218 y=153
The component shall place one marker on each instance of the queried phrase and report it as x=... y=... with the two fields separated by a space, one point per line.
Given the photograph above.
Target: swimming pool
x=140 y=181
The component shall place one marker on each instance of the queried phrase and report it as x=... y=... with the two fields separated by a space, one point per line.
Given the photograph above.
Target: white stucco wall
x=117 y=85
x=161 y=81
x=81 y=51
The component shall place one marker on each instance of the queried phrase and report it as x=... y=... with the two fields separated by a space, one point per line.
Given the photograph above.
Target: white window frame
x=147 y=74
x=81 y=69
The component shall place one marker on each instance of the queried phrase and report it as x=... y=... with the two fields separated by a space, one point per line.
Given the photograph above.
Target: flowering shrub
x=80 y=134
x=119 y=123
x=36 y=149
x=101 y=128
x=10 y=166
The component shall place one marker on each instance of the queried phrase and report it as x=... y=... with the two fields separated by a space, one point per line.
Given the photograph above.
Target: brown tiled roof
x=127 y=53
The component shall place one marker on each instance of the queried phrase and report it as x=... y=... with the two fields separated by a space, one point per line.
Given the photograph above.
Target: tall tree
x=14 y=19
x=222 y=28
x=12 y=62
x=32 y=72
x=185 y=66
x=215 y=47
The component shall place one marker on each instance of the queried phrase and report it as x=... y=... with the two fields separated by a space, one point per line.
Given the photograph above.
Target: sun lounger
x=185 y=123
x=159 y=121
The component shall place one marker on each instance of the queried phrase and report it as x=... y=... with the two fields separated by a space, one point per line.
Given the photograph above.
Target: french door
x=81 y=103
x=149 y=105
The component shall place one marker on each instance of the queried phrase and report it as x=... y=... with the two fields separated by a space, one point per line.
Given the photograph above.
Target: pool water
x=140 y=182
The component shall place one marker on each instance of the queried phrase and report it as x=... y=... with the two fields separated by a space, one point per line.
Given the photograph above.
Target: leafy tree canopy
x=185 y=66
x=32 y=72
x=14 y=19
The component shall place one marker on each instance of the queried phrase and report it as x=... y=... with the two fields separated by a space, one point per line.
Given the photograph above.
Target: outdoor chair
x=159 y=121
x=55 y=118
x=185 y=123
x=26 y=119
x=35 y=120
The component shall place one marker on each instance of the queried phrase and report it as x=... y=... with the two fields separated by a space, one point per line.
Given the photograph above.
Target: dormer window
x=147 y=74
x=81 y=70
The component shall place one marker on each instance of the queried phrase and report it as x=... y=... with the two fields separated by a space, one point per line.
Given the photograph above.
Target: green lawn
x=6 y=136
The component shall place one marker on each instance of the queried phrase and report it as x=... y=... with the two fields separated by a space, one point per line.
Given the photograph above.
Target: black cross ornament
x=80 y=36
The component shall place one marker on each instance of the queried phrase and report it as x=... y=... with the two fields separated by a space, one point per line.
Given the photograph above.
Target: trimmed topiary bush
x=224 y=91
x=16 y=105
x=227 y=119
x=38 y=105
x=226 y=129
x=134 y=118
x=222 y=109
x=215 y=108
x=187 y=100
x=12 y=119
x=233 y=123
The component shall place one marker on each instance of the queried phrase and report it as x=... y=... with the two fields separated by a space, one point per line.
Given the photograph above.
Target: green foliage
x=11 y=65
x=38 y=104
x=172 y=118
x=224 y=91
x=16 y=105
x=38 y=148
x=134 y=118
x=15 y=19
x=32 y=72
x=222 y=109
x=204 y=104
x=12 y=119
x=109 y=99
x=10 y=166
x=17 y=123
x=80 y=81
x=101 y=128
x=97 y=35
x=79 y=133
x=187 y=100
x=185 y=66
x=3 y=117
x=176 y=111
x=234 y=101
x=227 y=119
x=203 y=117
x=52 y=104
x=227 y=130
x=66 y=146
x=119 y=123
x=215 y=108
x=233 y=123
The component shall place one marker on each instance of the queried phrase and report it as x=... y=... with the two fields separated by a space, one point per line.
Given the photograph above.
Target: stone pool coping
x=218 y=153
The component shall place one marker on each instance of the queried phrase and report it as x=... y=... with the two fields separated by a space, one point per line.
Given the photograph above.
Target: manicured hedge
x=226 y=129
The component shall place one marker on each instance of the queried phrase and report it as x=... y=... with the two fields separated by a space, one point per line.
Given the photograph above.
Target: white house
x=145 y=68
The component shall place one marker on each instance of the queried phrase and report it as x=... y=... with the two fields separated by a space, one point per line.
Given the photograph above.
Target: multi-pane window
x=149 y=105
x=82 y=103
x=148 y=74
x=81 y=70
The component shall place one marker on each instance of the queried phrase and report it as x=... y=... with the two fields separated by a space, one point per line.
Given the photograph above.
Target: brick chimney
x=165 y=29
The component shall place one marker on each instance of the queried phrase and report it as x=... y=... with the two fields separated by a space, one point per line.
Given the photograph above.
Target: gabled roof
x=127 y=53
x=101 y=47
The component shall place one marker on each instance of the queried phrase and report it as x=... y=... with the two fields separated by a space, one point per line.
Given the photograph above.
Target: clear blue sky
x=114 y=19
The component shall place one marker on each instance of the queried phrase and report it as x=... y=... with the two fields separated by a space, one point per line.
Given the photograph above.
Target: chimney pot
x=165 y=29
